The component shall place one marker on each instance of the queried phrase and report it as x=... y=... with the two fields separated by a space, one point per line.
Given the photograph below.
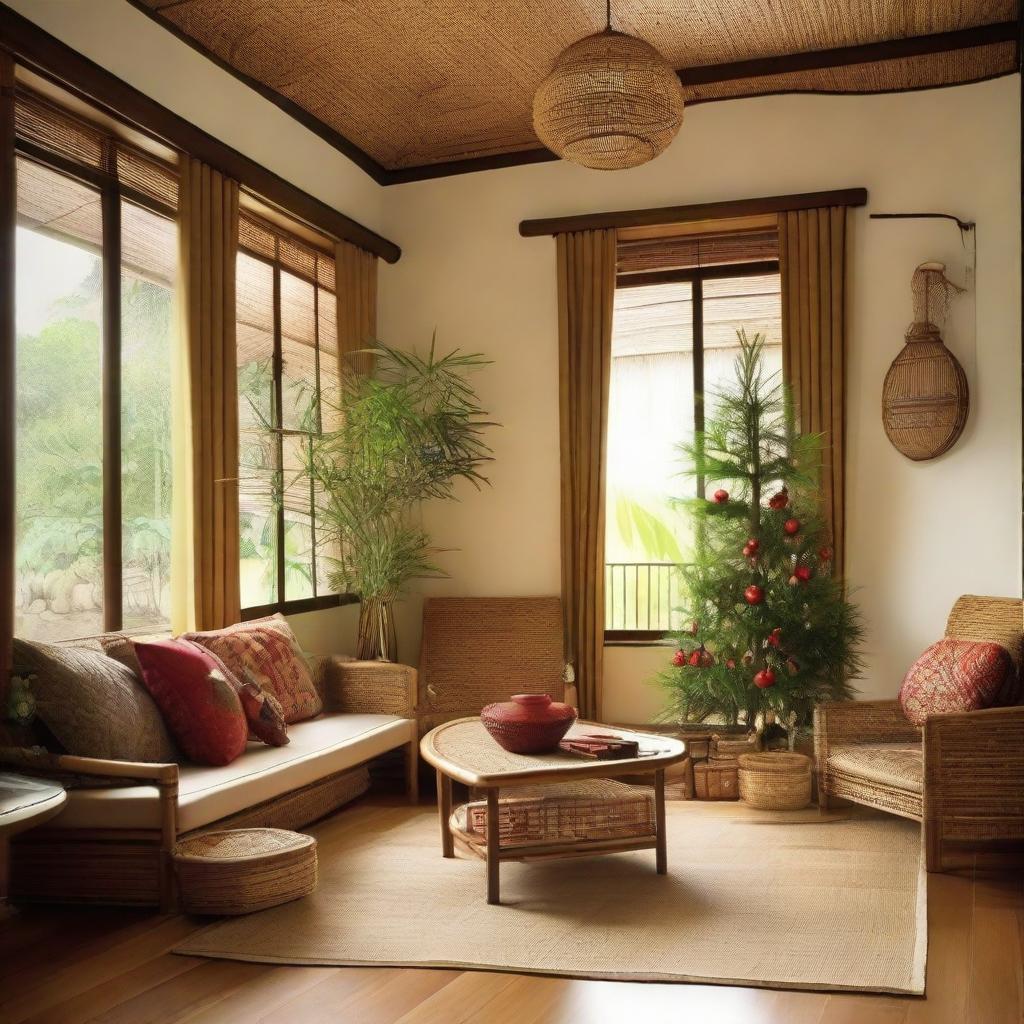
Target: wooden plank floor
x=70 y=966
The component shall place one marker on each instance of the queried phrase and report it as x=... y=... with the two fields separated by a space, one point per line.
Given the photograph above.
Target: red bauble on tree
x=696 y=658
x=720 y=497
x=764 y=679
x=753 y=594
x=779 y=500
x=791 y=526
x=679 y=658
x=825 y=554
x=775 y=637
x=803 y=573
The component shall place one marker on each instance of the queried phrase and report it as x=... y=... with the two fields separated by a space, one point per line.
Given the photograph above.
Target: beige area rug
x=750 y=899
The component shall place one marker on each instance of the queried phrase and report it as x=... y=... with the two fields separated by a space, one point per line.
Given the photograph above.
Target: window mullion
x=111 y=391
x=279 y=430
x=319 y=428
x=697 y=317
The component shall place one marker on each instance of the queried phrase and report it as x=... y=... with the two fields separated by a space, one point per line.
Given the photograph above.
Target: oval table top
x=466 y=752
x=26 y=802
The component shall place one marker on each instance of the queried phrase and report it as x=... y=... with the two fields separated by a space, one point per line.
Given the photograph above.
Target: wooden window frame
x=317 y=602
x=696 y=276
x=112 y=193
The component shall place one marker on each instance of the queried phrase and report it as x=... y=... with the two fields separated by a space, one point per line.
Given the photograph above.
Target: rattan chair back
x=996 y=619
x=478 y=650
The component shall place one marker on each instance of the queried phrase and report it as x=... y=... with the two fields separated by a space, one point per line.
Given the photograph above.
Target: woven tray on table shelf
x=589 y=811
x=238 y=871
x=775 y=782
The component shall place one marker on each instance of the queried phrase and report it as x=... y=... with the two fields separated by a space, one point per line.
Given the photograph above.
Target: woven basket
x=239 y=871
x=775 y=782
x=587 y=811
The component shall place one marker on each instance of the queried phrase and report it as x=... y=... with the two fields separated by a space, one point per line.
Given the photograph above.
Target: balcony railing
x=640 y=598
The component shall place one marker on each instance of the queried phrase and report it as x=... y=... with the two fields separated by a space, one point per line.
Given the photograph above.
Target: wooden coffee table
x=464 y=751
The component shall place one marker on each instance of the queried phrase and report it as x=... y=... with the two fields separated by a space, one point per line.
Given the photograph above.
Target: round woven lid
x=610 y=102
x=241 y=844
x=779 y=764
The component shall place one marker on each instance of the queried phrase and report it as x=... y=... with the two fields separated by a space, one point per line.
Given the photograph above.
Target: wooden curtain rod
x=693 y=212
x=38 y=50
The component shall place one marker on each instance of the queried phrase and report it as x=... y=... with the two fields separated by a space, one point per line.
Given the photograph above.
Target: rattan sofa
x=961 y=775
x=113 y=841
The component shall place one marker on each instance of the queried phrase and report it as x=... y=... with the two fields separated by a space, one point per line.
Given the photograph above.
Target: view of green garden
x=59 y=437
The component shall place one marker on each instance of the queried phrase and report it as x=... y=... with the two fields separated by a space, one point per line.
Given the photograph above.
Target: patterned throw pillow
x=958 y=675
x=265 y=652
x=262 y=712
x=198 y=702
x=92 y=705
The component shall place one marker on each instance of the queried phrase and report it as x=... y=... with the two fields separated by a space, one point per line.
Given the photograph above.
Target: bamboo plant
x=403 y=435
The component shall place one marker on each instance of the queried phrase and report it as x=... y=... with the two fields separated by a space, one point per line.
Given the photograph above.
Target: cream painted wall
x=130 y=45
x=919 y=534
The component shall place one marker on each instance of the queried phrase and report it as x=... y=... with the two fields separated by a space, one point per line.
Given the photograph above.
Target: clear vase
x=377 y=640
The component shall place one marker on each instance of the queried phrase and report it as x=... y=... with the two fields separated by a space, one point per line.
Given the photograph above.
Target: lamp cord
x=608 y=15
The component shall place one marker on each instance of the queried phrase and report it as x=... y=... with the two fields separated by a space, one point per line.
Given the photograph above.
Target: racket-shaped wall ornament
x=925 y=401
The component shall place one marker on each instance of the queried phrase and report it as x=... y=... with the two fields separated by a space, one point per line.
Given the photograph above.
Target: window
x=96 y=252
x=287 y=359
x=673 y=346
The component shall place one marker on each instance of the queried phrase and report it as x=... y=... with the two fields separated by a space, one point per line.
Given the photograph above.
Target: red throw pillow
x=266 y=652
x=197 y=701
x=263 y=713
x=958 y=675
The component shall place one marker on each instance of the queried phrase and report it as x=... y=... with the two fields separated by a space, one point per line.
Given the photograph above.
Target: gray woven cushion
x=897 y=765
x=93 y=705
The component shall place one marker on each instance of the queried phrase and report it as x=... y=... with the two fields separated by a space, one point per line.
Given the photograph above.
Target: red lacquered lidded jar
x=530 y=723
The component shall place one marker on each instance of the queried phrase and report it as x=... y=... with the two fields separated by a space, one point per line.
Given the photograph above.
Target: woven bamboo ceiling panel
x=422 y=82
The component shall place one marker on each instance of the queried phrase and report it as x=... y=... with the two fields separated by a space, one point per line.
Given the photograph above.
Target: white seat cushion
x=319 y=747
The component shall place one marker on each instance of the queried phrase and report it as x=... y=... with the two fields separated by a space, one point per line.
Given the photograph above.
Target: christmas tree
x=768 y=632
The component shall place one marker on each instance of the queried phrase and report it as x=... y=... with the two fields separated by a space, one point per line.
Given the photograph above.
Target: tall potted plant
x=402 y=435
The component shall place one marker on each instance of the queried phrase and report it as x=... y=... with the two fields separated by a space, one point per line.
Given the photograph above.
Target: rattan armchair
x=961 y=775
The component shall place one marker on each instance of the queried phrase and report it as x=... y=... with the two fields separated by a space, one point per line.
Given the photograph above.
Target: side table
x=24 y=803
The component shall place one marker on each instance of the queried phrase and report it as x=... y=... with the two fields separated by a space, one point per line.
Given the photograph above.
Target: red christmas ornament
x=720 y=496
x=803 y=573
x=753 y=594
x=779 y=500
x=747 y=551
x=679 y=658
x=825 y=554
x=764 y=679
x=695 y=658
x=791 y=526
x=754 y=544
x=775 y=637
x=730 y=663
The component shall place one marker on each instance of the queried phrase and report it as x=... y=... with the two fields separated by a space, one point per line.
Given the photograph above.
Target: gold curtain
x=586 y=295
x=812 y=257
x=356 y=289
x=205 y=535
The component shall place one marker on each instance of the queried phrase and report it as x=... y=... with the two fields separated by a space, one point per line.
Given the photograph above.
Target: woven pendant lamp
x=610 y=102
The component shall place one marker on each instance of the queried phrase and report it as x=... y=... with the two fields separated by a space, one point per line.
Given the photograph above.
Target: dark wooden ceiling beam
x=693 y=212
x=847 y=56
x=30 y=46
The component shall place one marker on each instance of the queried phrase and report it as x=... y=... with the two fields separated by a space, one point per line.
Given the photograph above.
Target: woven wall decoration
x=610 y=102
x=925 y=401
